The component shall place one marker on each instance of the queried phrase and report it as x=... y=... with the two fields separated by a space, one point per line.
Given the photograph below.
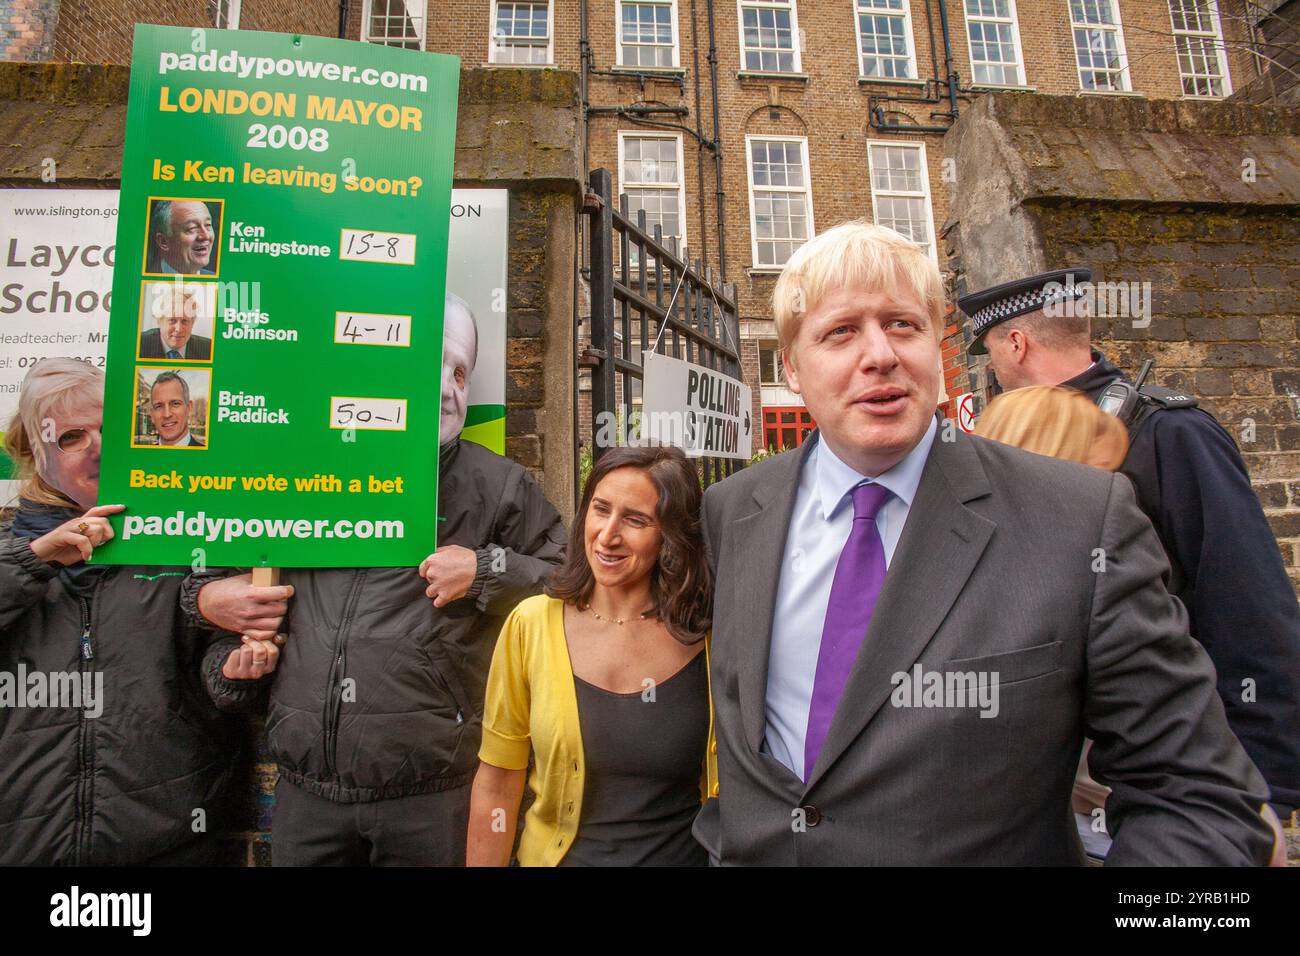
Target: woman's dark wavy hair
x=680 y=584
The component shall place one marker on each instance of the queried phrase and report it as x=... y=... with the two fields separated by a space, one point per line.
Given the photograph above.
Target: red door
x=785 y=427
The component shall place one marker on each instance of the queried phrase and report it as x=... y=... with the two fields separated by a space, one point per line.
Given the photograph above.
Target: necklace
x=614 y=620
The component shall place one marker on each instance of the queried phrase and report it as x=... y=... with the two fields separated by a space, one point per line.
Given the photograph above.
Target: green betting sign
x=275 y=339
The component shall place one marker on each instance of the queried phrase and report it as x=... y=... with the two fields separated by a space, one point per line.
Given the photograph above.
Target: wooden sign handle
x=266 y=577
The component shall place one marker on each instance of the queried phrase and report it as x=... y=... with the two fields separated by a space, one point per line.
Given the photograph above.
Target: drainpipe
x=947 y=60
x=717 y=145
x=699 y=133
x=934 y=53
x=584 y=54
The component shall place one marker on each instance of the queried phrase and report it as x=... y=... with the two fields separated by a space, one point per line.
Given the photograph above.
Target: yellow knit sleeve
x=506 y=739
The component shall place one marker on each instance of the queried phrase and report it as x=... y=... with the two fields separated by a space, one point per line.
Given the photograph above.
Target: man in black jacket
x=376 y=699
x=1192 y=483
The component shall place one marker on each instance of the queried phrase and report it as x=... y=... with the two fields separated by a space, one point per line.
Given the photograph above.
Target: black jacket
x=1193 y=485
x=124 y=786
x=379 y=694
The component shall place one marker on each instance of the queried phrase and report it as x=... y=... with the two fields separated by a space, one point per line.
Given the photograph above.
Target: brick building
x=741 y=126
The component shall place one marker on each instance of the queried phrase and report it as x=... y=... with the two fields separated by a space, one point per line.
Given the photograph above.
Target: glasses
x=76 y=439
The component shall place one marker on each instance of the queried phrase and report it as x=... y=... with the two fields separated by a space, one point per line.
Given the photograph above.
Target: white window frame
x=550 y=33
x=774 y=346
x=1014 y=20
x=422 y=24
x=621 y=187
x=906 y=14
x=1219 y=48
x=232 y=14
x=807 y=190
x=925 y=182
x=1126 y=80
x=796 y=37
x=618 y=35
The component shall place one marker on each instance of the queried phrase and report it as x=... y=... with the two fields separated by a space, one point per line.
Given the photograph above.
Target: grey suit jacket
x=993 y=573
x=198 y=348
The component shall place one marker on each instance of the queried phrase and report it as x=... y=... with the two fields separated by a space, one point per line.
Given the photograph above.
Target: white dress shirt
x=819 y=527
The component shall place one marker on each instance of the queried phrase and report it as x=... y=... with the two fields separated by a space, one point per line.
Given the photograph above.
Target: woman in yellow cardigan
x=603 y=681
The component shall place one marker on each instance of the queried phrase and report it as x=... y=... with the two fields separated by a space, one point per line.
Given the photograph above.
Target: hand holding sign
x=235 y=604
x=450 y=571
x=75 y=540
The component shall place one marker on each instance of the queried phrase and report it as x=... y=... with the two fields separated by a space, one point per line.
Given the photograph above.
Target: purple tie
x=858 y=576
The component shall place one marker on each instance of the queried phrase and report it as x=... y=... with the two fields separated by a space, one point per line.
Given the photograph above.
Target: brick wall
x=99 y=31
x=1161 y=193
x=27 y=29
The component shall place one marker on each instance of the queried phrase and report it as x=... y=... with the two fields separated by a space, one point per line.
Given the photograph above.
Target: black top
x=644 y=759
x=1226 y=569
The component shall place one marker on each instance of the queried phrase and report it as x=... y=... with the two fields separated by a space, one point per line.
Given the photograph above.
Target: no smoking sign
x=966 y=412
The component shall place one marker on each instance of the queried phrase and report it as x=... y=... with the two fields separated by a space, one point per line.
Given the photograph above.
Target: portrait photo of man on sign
x=171 y=408
x=183 y=237
x=176 y=321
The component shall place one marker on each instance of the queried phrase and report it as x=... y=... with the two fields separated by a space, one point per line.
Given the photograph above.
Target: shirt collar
x=835 y=479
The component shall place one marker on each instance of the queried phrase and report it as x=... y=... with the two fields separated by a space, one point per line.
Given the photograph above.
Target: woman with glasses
x=110 y=748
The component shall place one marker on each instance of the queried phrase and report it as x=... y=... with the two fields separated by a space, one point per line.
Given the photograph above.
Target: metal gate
x=645 y=297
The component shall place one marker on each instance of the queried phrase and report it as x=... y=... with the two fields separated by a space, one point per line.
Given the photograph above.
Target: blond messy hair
x=189 y=298
x=52 y=388
x=1057 y=422
x=856 y=253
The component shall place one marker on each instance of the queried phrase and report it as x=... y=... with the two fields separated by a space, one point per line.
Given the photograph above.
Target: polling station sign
x=275 y=336
x=697 y=409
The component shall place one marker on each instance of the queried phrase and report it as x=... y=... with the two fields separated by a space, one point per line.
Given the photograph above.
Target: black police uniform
x=1193 y=485
x=1226 y=568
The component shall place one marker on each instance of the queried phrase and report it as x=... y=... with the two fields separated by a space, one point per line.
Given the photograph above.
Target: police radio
x=1134 y=404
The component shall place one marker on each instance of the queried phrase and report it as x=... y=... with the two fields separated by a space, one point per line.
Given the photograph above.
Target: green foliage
x=585 y=459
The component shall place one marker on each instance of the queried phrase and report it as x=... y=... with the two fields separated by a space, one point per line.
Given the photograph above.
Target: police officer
x=1193 y=485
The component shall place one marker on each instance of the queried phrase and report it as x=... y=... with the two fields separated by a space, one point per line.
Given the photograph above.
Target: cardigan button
x=714 y=792
x=713 y=747
x=569 y=808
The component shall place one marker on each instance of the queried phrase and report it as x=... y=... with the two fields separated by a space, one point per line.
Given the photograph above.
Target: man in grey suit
x=914 y=629
x=176 y=306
